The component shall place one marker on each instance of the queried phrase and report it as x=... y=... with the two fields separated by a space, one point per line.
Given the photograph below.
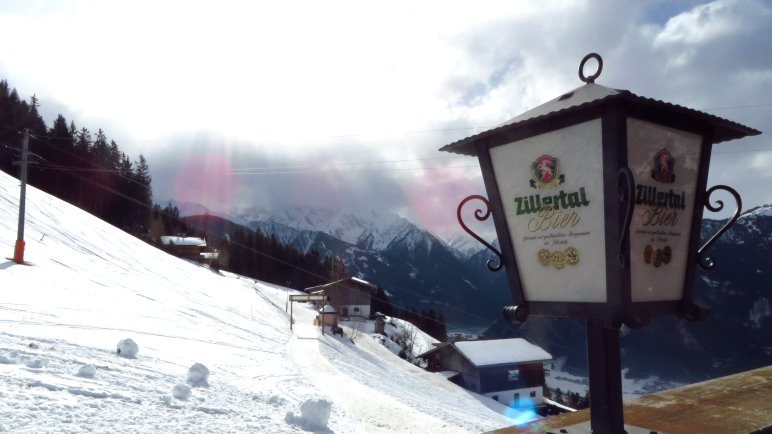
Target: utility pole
x=18 y=251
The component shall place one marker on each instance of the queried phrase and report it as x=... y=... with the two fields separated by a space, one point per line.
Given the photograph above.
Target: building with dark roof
x=350 y=296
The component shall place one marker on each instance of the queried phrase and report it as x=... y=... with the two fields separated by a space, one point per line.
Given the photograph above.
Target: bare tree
x=406 y=338
x=356 y=330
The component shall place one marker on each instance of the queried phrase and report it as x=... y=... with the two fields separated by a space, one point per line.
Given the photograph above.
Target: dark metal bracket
x=707 y=263
x=626 y=194
x=515 y=314
x=480 y=215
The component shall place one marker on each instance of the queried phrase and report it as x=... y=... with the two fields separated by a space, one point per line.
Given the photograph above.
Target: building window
x=513 y=375
x=533 y=394
x=356 y=309
x=516 y=398
x=496 y=397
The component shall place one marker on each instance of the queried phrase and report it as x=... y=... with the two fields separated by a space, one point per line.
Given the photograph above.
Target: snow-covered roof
x=183 y=241
x=363 y=282
x=328 y=309
x=319 y=288
x=501 y=351
x=448 y=374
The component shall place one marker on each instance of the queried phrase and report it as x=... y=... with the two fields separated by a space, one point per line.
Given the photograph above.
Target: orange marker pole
x=18 y=251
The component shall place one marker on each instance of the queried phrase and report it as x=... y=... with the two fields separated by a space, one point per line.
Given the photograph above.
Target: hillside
x=89 y=285
x=667 y=353
x=416 y=269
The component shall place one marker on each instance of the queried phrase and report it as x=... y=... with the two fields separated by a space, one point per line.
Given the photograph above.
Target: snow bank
x=66 y=304
x=9 y=358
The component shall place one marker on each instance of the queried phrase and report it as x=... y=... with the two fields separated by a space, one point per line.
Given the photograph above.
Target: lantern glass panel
x=665 y=163
x=551 y=189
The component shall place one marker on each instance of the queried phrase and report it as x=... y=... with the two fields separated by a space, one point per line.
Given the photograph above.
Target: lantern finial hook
x=590 y=79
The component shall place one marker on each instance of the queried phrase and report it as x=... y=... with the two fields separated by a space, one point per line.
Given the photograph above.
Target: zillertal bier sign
x=664 y=162
x=552 y=193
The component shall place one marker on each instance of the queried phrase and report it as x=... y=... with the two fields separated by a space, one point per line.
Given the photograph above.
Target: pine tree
x=558 y=396
x=62 y=154
x=143 y=194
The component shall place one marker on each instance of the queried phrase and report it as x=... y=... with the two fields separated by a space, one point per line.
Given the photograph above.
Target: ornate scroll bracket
x=626 y=194
x=707 y=263
x=480 y=215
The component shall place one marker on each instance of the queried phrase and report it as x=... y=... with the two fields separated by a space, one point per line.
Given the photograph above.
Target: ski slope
x=89 y=285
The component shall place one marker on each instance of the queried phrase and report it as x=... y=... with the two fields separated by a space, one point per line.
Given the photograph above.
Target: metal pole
x=291 y=303
x=18 y=251
x=606 y=408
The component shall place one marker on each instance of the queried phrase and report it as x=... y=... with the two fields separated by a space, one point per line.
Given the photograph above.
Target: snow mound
x=86 y=371
x=198 y=375
x=9 y=357
x=181 y=391
x=314 y=415
x=127 y=348
x=34 y=364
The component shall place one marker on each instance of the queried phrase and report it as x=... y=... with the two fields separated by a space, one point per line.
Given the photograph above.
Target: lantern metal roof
x=590 y=95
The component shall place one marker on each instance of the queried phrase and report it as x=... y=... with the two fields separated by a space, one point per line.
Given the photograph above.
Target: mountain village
x=349 y=229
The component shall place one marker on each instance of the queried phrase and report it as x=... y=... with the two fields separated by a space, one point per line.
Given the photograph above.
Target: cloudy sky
x=344 y=104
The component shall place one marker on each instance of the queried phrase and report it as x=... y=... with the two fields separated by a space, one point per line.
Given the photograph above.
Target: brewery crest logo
x=558 y=258
x=545 y=172
x=663 y=167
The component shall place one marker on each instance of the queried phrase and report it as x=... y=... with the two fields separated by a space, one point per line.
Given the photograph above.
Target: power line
x=350 y=163
x=742 y=151
x=382 y=169
x=738 y=107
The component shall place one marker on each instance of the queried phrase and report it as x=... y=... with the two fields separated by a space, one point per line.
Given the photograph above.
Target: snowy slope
x=89 y=285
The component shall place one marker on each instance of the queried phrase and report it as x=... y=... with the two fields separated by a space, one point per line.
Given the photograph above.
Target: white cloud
x=703 y=24
x=308 y=83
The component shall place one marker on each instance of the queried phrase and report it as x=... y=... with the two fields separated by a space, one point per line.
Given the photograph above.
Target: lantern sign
x=665 y=164
x=553 y=206
x=597 y=200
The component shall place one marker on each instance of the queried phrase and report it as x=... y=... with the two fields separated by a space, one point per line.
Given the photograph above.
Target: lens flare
x=207 y=180
x=434 y=196
x=521 y=412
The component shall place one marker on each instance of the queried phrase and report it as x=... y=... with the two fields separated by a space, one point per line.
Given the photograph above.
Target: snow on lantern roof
x=167 y=240
x=590 y=95
x=501 y=351
x=581 y=95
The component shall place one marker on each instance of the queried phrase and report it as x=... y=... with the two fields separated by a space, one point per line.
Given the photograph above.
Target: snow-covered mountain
x=369 y=230
x=464 y=246
x=88 y=285
x=413 y=265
